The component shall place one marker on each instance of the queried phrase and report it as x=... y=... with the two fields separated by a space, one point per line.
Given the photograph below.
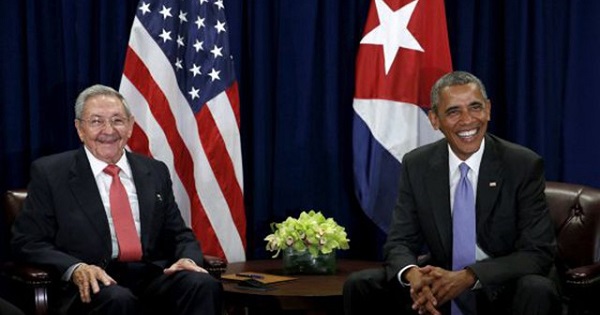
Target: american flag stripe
x=213 y=118
x=202 y=149
x=164 y=117
x=150 y=131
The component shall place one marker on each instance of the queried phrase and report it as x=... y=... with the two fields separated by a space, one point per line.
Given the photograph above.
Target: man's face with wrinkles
x=106 y=141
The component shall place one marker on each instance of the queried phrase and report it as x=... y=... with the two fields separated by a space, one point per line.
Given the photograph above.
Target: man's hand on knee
x=184 y=264
x=87 y=277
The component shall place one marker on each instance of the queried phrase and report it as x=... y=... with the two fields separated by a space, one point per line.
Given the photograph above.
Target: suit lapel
x=438 y=191
x=489 y=182
x=145 y=192
x=84 y=189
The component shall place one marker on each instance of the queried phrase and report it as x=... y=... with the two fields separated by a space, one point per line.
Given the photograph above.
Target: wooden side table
x=309 y=294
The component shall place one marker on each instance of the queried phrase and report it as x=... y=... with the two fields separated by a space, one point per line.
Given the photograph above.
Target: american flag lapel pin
x=492 y=184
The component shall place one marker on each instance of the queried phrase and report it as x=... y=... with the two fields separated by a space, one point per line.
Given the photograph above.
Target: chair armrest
x=583 y=276
x=26 y=273
x=215 y=265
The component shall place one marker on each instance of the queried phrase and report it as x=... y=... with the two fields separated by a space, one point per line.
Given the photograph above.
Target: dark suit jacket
x=513 y=223
x=63 y=221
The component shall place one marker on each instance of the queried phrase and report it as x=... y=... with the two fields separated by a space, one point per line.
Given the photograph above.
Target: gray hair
x=451 y=79
x=96 y=90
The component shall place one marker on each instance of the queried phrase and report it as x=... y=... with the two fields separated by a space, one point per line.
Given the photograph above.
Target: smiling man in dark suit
x=72 y=223
x=511 y=236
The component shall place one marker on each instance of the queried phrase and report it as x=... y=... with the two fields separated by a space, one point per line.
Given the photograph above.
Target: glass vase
x=302 y=262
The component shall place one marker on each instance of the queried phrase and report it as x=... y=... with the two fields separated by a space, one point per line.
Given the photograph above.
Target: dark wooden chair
x=31 y=285
x=575 y=211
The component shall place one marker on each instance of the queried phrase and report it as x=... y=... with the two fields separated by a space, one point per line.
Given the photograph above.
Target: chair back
x=12 y=202
x=575 y=211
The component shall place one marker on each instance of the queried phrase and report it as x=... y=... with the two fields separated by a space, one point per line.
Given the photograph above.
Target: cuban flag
x=403 y=52
x=180 y=83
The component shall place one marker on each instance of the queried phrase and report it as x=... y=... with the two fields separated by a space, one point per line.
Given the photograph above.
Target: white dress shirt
x=103 y=182
x=474 y=161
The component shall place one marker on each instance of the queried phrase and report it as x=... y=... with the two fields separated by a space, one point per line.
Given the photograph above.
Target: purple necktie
x=463 y=223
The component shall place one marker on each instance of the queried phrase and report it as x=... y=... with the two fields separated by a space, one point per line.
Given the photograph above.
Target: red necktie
x=130 y=247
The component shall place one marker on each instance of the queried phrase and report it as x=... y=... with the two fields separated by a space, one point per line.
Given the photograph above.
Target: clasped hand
x=431 y=287
x=87 y=278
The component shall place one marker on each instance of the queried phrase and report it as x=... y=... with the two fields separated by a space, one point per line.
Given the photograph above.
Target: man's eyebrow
x=453 y=107
x=450 y=107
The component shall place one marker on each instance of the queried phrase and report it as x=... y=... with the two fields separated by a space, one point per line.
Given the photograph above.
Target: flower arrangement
x=311 y=231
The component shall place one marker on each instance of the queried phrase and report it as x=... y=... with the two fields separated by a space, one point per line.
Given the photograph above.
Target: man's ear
x=79 y=132
x=433 y=119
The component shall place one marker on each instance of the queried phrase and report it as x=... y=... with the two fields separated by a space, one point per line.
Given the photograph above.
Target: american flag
x=179 y=81
x=403 y=52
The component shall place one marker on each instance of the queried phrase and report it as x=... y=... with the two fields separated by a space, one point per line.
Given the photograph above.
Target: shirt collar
x=98 y=166
x=474 y=161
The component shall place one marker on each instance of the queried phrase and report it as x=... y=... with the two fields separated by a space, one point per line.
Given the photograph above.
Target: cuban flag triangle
x=403 y=52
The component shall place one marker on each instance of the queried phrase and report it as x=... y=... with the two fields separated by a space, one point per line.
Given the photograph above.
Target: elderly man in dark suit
x=509 y=243
x=105 y=221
